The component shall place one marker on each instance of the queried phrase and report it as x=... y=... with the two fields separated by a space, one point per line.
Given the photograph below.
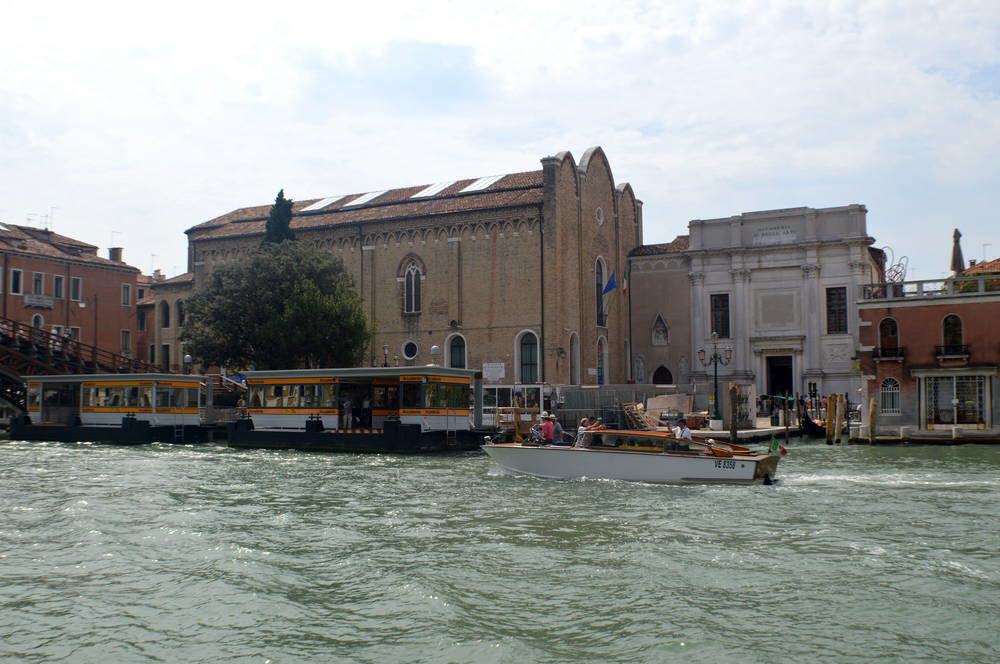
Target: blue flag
x=610 y=286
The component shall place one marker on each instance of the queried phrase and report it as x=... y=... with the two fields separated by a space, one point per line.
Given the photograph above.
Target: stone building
x=163 y=316
x=660 y=297
x=507 y=273
x=779 y=289
x=930 y=355
x=58 y=284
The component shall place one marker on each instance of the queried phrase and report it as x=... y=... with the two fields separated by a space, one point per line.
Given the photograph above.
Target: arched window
x=37 y=321
x=527 y=358
x=952 y=329
x=180 y=312
x=456 y=352
x=164 y=314
x=411 y=297
x=888 y=334
x=888 y=397
x=662 y=376
x=574 y=359
x=602 y=361
x=600 y=275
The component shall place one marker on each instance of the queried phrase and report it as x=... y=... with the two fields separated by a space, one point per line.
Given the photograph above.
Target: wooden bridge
x=30 y=351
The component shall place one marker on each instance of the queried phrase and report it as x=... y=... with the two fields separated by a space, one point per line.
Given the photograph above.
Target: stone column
x=812 y=309
x=698 y=314
x=741 y=368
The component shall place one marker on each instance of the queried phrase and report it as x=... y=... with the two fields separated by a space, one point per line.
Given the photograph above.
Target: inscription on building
x=773 y=235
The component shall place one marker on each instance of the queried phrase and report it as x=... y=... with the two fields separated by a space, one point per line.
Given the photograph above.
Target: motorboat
x=639 y=456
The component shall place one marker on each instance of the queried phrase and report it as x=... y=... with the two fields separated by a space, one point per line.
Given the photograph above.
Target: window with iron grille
x=888 y=403
x=836 y=310
x=720 y=314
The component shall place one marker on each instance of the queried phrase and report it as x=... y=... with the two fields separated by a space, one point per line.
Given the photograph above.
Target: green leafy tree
x=285 y=306
x=279 y=220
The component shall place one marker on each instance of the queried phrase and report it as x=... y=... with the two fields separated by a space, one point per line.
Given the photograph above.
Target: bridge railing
x=64 y=348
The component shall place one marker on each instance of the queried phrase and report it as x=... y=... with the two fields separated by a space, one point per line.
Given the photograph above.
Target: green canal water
x=206 y=554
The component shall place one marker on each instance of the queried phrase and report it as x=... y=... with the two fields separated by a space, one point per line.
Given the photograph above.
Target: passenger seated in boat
x=559 y=436
x=548 y=429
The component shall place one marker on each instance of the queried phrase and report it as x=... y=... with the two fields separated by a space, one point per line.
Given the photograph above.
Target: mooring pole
x=733 y=413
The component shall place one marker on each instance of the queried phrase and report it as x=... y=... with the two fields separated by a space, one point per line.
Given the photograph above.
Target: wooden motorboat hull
x=552 y=462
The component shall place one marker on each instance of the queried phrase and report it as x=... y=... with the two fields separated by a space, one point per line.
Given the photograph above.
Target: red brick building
x=58 y=284
x=930 y=354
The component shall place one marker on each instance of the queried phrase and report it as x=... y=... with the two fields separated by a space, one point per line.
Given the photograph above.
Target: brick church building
x=519 y=274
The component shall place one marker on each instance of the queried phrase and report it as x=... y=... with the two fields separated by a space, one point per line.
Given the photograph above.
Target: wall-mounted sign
x=494 y=372
x=39 y=301
x=783 y=234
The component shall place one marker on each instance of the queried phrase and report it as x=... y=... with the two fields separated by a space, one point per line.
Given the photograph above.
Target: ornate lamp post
x=715 y=360
x=385 y=355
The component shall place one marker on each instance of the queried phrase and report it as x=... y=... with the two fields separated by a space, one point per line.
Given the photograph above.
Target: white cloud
x=148 y=121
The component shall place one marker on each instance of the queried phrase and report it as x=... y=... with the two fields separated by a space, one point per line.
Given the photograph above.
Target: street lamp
x=715 y=360
x=385 y=355
x=188 y=362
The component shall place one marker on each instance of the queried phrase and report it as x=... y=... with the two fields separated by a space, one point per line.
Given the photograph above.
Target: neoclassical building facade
x=518 y=275
x=780 y=289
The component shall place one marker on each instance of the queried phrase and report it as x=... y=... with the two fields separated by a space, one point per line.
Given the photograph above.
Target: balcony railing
x=888 y=353
x=932 y=288
x=952 y=350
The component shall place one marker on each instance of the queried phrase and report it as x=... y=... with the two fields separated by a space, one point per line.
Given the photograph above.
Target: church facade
x=519 y=275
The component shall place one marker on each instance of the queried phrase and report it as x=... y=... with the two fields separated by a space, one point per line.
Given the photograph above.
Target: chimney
x=157 y=275
x=115 y=254
x=972 y=262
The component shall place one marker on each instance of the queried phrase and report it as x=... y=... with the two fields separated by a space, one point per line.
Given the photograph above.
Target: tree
x=285 y=306
x=279 y=220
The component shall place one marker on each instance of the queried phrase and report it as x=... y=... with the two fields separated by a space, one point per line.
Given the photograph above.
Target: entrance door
x=779 y=375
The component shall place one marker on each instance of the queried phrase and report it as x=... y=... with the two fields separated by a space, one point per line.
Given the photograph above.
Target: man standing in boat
x=682 y=433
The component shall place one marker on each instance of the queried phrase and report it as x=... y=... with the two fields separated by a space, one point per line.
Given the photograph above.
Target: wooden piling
x=733 y=414
x=784 y=416
x=831 y=407
x=872 y=420
x=838 y=419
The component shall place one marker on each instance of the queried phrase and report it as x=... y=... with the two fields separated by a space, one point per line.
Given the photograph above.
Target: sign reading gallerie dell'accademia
x=773 y=235
x=493 y=372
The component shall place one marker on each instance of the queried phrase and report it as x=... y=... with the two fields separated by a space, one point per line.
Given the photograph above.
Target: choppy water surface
x=164 y=553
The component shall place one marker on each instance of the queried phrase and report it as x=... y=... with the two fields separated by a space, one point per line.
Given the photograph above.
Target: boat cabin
x=363 y=399
x=103 y=400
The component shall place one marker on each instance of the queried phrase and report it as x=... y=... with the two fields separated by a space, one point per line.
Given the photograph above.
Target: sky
x=124 y=124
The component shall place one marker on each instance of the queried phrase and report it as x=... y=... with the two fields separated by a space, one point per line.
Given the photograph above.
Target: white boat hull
x=553 y=462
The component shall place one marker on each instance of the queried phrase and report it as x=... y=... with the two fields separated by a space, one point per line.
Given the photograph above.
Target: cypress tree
x=279 y=220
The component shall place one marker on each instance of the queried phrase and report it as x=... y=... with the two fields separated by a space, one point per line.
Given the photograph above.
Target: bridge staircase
x=30 y=351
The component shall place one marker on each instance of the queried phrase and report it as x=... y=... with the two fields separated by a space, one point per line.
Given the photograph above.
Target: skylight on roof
x=482 y=183
x=365 y=198
x=434 y=189
x=319 y=205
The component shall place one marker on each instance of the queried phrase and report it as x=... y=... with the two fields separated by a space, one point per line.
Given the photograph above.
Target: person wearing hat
x=582 y=435
x=537 y=429
x=548 y=428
